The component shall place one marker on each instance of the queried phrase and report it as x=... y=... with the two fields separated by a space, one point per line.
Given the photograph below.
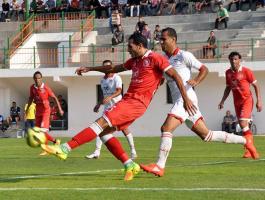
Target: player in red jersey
x=147 y=72
x=239 y=79
x=40 y=93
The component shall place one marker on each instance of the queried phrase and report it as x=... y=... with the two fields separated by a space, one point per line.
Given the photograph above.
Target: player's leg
x=45 y=125
x=130 y=140
x=96 y=153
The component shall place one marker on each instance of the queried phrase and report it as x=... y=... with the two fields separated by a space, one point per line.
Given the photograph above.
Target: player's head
x=168 y=40
x=107 y=63
x=137 y=45
x=235 y=59
x=212 y=33
x=37 y=76
x=14 y=104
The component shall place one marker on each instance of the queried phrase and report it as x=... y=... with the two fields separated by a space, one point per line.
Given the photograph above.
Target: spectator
x=63 y=104
x=14 y=114
x=5 y=10
x=144 y=10
x=200 y=4
x=54 y=111
x=156 y=36
x=250 y=3
x=237 y=2
x=3 y=124
x=140 y=25
x=163 y=5
x=74 y=6
x=14 y=10
x=40 y=6
x=147 y=34
x=33 y=6
x=58 y=5
x=118 y=37
x=30 y=116
x=210 y=46
x=154 y=7
x=50 y=6
x=229 y=122
x=105 y=8
x=222 y=16
x=134 y=4
x=115 y=20
x=178 y=7
x=65 y=5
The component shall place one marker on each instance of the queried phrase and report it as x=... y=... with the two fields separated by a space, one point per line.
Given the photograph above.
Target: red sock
x=49 y=138
x=114 y=146
x=247 y=133
x=82 y=137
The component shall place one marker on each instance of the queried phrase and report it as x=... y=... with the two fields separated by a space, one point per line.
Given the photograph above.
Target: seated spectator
x=237 y=2
x=14 y=10
x=3 y=124
x=54 y=112
x=122 y=6
x=50 y=6
x=144 y=7
x=210 y=46
x=105 y=8
x=154 y=7
x=178 y=7
x=29 y=117
x=115 y=20
x=74 y=6
x=65 y=5
x=5 y=10
x=118 y=37
x=222 y=16
x=163 y=6
x=147 y=34
x=134 y=4
x=229 y=122
x=156 y=36
x=140 y=25
x=64 y=105
x=14 y=114
x=33 y=6
x=40 y=6
x=252 y=4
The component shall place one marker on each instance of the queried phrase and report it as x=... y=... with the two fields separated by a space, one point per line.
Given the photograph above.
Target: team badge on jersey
x=146 y=62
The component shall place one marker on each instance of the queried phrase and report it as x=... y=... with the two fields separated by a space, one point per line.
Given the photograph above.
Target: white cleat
x=92 y=156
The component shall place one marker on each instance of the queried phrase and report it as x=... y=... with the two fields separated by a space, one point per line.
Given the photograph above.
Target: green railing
x=92 y=55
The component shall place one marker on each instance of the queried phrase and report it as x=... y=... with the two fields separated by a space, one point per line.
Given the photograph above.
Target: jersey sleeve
x=161 y=62
x=226 y=78
x=118 y=81
x=128 y=64
x=191 y=61
x=50 y=92
x=250 y=76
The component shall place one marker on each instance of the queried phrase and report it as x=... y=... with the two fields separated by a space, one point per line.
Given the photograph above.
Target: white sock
x=165 y=146
x=98 y=145
x=221 y=136
x=129 y=138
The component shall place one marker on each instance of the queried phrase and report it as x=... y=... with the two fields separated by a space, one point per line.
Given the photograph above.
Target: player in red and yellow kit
x=147 y=72
x=239 y=79
x=40 y=93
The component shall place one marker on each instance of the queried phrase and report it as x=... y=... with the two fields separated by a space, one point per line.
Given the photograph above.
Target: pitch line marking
x=115 y=170
x=140 y=189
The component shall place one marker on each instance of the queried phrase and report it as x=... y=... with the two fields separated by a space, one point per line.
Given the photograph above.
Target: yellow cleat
x=43 y=153
x=55 y=150
x=131 y=170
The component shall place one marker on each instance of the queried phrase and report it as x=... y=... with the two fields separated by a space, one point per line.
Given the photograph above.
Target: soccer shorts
x=178 y=111
x=43 y=120
x=124 y=113
x=244 y=110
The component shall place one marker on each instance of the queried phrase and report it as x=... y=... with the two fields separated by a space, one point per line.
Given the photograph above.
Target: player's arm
x=188 y=105
x=104 y=69
x=258 y=96
x=226 y=94
x=203 y=71
x=97 y=106
x=58 y=105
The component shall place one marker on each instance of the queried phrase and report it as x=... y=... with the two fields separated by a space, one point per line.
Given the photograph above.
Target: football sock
x=165 y=146
x=129 y=138
x=49 y=138
x=86 y=135
x=98 y=144
x=221 y=136
x=246 y=131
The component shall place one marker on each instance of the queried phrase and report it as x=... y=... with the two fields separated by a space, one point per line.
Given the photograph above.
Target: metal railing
x=93 y=55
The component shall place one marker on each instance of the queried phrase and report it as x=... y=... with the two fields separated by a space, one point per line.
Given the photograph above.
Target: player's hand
x=220 y=105
x=189 y=107
x=61 y=112
x=107 y=100
x=192 y=82
x=96 y=108
x=259 y=106
x=79 y=71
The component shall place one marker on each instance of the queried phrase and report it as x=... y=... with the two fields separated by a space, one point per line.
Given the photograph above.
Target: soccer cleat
x=43 y=153
x=131 y=171
x=247 y=154
x=153 y=168
x=133 y=154
x=250 y=147
x=55 y=150
x=57 y=141
x=93 y=155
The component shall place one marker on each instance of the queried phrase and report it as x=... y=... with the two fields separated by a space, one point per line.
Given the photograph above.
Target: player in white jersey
x=111 y=86
x=183 y=62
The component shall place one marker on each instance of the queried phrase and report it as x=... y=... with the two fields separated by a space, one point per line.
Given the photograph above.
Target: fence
x=93 y=55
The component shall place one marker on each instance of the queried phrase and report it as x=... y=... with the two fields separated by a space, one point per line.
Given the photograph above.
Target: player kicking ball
x=147 y=72
x=111 y=87
x=183 y=62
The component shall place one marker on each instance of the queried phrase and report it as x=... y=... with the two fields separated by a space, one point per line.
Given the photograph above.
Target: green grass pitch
x=195 y=170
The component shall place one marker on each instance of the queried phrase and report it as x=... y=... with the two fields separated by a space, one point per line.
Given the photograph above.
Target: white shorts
x=178 y=111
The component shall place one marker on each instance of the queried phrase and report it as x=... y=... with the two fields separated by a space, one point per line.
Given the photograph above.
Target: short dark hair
x=157 y=25
x=107 y=61
x=37 y=72
x=171 y=32
x=234 y=53
x=138 y=38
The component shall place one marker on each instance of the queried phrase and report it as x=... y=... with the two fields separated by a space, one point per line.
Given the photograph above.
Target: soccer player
x=40 y=93
x=183 y=62
x=238 y=79
x=147 y=72
x=111 y=87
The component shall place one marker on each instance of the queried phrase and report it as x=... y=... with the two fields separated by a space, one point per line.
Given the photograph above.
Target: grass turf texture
x=195 y=170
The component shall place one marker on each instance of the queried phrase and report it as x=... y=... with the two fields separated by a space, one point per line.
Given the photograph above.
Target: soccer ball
x=35 y=137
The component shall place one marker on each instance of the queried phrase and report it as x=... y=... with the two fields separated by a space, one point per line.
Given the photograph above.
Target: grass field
x=195 y=170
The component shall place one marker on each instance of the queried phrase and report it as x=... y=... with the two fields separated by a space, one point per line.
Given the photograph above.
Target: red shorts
x=43 y=120
x=244 y=110
x=124 y=113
